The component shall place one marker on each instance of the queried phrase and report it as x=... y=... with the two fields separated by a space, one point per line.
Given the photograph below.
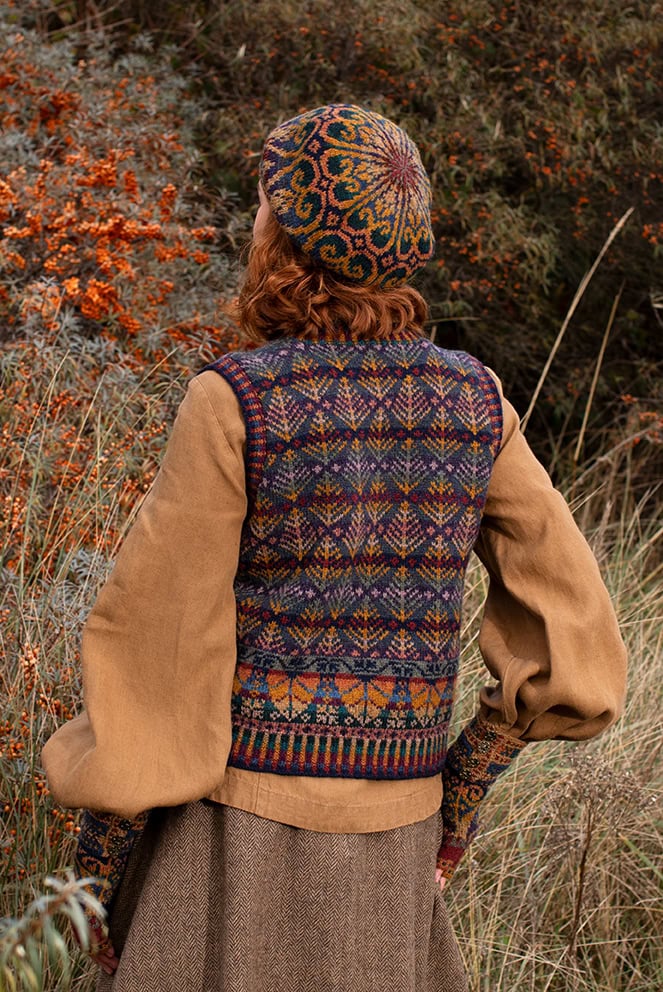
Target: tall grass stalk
x=597 y=372
x=542 y=901
x=562 y=888
x=54 y=558
x=580 y=292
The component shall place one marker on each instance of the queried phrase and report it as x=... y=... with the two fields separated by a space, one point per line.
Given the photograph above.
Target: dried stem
x=586 y=279
x=597 y=370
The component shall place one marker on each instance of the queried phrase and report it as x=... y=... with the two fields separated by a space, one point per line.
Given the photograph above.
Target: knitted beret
x=349 y=188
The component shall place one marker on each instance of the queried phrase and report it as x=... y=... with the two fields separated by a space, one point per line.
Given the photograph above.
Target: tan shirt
x=159 y=645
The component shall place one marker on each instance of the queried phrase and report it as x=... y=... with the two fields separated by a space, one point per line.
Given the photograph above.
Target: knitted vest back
x=367 y=468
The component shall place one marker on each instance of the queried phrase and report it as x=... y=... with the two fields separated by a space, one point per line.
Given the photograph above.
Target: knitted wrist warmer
x=104 y=845
x=475 y=759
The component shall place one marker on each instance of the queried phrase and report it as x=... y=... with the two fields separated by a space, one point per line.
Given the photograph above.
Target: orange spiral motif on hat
x=349 y=188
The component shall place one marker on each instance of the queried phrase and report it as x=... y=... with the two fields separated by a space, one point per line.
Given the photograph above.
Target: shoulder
x=211 y=395
x=460 y=361
x=464 y=366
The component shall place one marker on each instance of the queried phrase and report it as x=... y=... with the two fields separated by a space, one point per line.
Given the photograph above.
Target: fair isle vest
x=367 y=468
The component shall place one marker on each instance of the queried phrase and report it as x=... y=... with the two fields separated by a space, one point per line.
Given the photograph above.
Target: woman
x=271 y=665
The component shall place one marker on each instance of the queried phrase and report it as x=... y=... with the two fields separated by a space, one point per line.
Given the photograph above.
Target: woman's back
x=370 y=462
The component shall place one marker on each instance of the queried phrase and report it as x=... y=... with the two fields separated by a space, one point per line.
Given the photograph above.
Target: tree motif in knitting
x=349 y=590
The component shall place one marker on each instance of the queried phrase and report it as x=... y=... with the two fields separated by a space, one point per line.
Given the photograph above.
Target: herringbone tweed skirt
x=216 y=899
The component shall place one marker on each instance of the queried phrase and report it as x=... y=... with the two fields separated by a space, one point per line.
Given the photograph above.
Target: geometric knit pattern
x=349 y=188
x=368 y=464
x=104 y=844
x=477 y=757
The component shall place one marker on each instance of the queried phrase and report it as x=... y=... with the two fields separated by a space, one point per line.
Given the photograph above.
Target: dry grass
x=561 y=890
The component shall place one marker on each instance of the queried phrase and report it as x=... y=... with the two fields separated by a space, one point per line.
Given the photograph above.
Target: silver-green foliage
x=33 y=944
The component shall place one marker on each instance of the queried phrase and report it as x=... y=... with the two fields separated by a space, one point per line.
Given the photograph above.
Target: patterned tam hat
x=349 y=188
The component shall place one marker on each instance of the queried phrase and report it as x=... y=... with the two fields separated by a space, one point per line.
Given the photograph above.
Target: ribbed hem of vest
x=322 y=754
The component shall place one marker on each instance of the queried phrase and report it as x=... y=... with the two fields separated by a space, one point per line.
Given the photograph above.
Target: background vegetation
x=539 y=125
x=129 y=140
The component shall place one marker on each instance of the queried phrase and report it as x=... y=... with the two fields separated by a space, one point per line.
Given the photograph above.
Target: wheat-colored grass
x=561 y=890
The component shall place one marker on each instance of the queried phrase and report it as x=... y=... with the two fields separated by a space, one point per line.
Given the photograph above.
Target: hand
x=106 y=958
x=439 y=878
x=100 y=950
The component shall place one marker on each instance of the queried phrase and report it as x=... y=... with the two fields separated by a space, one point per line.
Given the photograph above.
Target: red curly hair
x=286 y=293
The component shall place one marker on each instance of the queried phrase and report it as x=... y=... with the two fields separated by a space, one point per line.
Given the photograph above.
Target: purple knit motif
x=369 y=464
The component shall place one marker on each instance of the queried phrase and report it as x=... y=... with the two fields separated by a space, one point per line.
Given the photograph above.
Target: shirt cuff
x=478 y=755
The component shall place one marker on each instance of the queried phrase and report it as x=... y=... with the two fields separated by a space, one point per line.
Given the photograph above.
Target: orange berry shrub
x=110 y=283
x=539 y=127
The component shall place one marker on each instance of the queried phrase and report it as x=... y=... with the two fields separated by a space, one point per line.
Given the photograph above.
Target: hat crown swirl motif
x=349 y=188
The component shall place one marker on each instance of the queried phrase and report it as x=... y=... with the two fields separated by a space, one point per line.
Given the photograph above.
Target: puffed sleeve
x=159 y=646
x=549 y=637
